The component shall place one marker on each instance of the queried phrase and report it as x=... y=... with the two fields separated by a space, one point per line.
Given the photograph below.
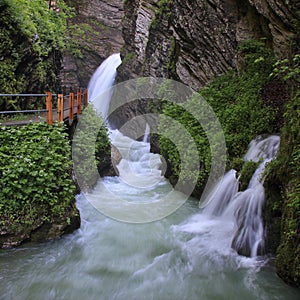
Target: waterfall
x=185 y=255
x=244 y=209
x=140 y=179
x=249 y=237
x=138 y=167
x=101 y=82
x=146 y=134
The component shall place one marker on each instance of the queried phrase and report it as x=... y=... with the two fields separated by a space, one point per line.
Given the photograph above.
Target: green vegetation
x=31 y=40
x=238 y=103
x=129 y=57
x=283 y=181
x=171 y=63
x=91 y=149
x=162 y=12
x=36 y=176
x=247 y=170
x=287 y=69
x=34 y=18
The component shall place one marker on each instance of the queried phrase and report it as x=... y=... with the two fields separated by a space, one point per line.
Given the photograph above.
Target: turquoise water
x=178 y=257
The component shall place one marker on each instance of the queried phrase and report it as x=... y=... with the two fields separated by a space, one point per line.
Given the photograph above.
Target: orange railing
x=68 y=106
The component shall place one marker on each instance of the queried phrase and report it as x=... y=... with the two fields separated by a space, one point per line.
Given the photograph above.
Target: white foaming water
x=262 y=148
x=177 y=258
x=101 y=81
x=146 y=135
x=138 y=167
x=237 y=216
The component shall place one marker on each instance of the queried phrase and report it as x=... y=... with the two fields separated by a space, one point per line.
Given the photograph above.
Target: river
x=184 y=256
x=187 y=255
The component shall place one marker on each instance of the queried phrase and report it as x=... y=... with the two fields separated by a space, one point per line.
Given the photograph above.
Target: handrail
x=76 y=102
x=24 y=95
x=22 y=111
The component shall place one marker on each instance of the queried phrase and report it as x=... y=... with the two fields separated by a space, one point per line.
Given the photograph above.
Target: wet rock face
x=282 y=20
x=108 y=12
x=190 y=41
x=194 y=41
x=100 y=21
x=205 y=31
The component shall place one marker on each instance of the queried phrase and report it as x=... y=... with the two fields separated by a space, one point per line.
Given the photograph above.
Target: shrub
x=36 y=174
x=91 y=148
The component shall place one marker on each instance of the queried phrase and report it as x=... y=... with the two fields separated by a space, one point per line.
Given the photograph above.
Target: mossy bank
x=38 y=188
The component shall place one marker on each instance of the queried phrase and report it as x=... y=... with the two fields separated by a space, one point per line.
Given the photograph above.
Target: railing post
x=71 y=108
x=85 y=98
x=78 y=103
x=49 y=108
x=60 y=107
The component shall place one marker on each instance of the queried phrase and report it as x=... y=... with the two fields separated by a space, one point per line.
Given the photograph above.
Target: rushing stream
x=187 y=255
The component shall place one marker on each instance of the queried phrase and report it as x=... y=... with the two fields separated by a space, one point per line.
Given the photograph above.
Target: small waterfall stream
x=244 y=209
x=185 y=256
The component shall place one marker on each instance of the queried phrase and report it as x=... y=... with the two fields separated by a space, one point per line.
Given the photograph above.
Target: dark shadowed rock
x=101 y=22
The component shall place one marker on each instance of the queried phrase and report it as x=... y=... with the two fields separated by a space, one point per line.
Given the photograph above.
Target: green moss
x=171 y=62
x=283 y=194
x=237 y=101
x=162 y=12
x=246 y=173
x=128 y=58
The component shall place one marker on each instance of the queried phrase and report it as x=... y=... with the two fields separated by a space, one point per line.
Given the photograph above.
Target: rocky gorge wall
x=195 y=41
x=96 y=32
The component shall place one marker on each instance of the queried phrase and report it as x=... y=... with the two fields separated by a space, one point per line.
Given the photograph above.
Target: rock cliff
x=96 y=32
x=194 y=41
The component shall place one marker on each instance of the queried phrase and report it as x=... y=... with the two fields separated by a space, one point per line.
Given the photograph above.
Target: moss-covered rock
x=283 y=195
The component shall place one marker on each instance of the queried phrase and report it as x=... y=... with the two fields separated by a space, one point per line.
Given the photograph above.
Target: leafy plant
x=31 y=40
x=36 y=174
x=287 y=69
x=91 y=148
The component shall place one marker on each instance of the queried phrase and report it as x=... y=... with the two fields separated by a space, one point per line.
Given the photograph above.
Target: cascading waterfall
x=101 y=81
x=244 y=209
x=249 y=239
x=147 y=132
x=187 y=255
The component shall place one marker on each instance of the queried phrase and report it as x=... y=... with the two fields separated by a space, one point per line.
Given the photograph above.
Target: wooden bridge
x=58 y=107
